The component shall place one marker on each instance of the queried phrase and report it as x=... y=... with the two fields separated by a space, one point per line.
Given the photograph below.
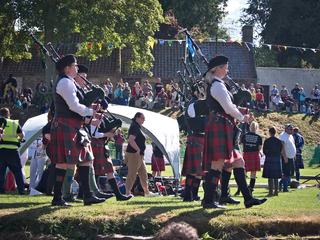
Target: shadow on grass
x=19 y=205
x=27 y=219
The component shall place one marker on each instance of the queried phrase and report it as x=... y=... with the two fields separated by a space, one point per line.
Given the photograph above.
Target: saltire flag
x=191 y=51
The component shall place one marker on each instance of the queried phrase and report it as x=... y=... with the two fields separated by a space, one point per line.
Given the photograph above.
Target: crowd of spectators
x=158 y=96
x=146 y=95
x=294 y=101
x=22 y=99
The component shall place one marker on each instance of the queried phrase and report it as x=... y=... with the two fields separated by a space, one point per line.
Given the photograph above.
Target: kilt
x=219 y=140
x=64 y=147
x=157 y=163
x=298 y=162
x=272 y=167
x=252 y=161
x=193 y=157
x=101 y=164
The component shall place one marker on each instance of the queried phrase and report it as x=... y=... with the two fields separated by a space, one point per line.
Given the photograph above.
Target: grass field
x=291 y=215
x=296 y=212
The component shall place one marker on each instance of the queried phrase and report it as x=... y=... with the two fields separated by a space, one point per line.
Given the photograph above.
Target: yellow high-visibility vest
x=10 y=139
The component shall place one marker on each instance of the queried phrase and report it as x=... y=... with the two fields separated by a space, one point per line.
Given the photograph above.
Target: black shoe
x=254 y=201
x=104 y=195
x=123 y=197
x=92 y=200
x=71 y=199
x=197 y=198
x=228 y=199
x=212 y=205
x=187 y=200
x=60 y=202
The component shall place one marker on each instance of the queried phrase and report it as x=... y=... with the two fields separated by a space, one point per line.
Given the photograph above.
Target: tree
x=291 y=23
x=204 y=15
x=103 y=25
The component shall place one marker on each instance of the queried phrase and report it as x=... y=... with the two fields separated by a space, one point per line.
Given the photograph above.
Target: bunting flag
x=169 y=43
x=26 y=47
x=89 y=45
x=161 y=41
x=151 y=42
x=110 y=45
x=99 y=44
x=180 y=41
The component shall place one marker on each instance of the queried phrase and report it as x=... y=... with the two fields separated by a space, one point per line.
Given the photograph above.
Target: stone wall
x=307 y=78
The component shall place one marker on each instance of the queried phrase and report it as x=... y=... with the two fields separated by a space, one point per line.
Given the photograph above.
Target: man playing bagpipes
x=67 y=147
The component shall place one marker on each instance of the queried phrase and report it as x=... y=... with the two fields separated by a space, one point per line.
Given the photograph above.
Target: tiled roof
x=167 y=61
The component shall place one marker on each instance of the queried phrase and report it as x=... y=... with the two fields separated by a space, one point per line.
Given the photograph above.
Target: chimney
x=247 y=34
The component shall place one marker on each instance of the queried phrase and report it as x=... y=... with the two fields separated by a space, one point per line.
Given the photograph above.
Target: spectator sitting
x=126 y=93
x=277 y=102
x=315 y=94
x=108 y=85
x=137 y=94
x=160 y=99
x=146 y=88
x=118 y=95
x=284 y=93
x=147 y=101
x=169 y=97
x=175 y=96
x=158 y=86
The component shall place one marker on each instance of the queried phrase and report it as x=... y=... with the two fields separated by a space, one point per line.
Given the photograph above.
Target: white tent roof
x=163 y=131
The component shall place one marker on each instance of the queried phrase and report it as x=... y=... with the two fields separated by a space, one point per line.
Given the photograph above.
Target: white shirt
x=68 y=91
x=219 y=92
x=97 y=134
x=289 y=145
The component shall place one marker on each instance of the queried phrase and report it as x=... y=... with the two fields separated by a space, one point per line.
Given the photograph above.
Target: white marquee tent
x=163 y=131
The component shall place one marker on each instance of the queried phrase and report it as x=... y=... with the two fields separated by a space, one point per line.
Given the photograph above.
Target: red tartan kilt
x=252 y=161
x=157 y=163
x=63 y=147
x=193 y=157
x=218 y=142
x=101 y=164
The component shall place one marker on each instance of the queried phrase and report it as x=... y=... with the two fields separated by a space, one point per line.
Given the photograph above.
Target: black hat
x=216 y=61
x=82 y=69
x=65 y=61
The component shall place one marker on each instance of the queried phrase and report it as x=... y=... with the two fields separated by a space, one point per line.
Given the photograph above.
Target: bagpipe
x=194 y=82
x=240 y=96
x=92 y=92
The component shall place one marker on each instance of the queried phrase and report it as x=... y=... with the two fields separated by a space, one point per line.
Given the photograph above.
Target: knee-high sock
x=297 y=174
x=252 y=183
x=240 y=178
x=92 y=180
x=60 y=174
x=84 y=179
x=188 y=188
x=66 y=188
x=225 y=178
x=210 y=186
x=276 y=184
x=270 y=185
x=195 y=187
